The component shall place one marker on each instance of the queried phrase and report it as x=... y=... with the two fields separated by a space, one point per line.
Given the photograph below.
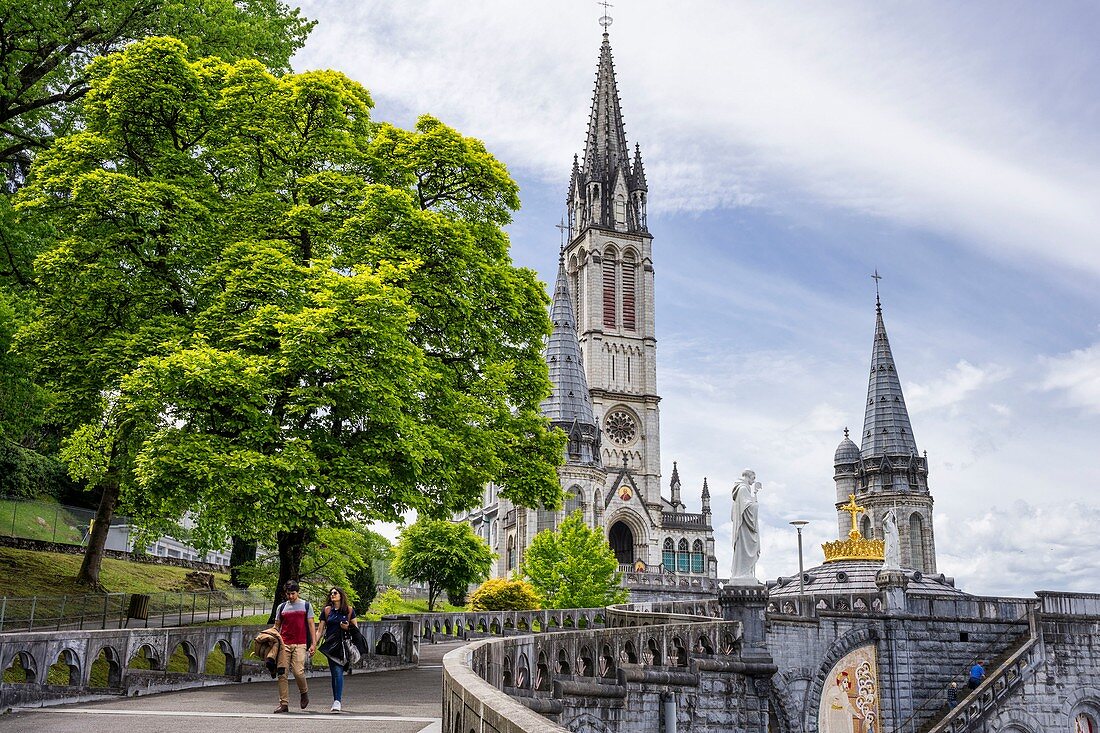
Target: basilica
x=873 y=638
x=602 y=359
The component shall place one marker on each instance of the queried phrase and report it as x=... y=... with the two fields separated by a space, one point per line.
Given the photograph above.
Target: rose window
x=620 y=427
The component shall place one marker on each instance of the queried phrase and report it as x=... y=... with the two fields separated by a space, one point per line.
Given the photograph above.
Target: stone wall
x=1054 y=682
x=918 y=655
x=392 y=644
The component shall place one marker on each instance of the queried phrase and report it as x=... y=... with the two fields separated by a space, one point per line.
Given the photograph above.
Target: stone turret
x=674 y=484
x=886 y=471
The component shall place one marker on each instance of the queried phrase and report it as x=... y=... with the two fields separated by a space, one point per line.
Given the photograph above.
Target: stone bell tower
x=609 y=261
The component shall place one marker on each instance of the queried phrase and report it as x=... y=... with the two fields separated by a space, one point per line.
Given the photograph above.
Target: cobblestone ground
x=406 y=701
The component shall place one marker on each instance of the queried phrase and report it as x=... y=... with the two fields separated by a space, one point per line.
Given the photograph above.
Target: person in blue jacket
x=977 y=674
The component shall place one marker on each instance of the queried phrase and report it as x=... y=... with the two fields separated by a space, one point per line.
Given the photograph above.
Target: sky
x=791 y=150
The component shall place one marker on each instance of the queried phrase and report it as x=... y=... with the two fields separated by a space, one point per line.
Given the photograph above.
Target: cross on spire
x=605 y=19
x=876 y=277
x=561 y=227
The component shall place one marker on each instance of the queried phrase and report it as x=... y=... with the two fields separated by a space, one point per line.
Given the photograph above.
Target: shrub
x=388 y=602
x=501 y=594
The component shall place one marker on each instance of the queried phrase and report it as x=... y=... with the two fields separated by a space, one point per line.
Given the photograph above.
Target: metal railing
x=114 y=610
x=46 y=521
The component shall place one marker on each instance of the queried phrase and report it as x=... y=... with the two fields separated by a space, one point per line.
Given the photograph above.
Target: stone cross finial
x=854 y=509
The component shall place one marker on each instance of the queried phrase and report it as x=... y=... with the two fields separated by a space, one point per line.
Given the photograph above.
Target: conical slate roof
x=886 y=427
x=569 y=399
x=605 y=149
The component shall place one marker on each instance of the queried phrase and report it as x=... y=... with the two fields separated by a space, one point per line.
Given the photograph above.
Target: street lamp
x=799 y=524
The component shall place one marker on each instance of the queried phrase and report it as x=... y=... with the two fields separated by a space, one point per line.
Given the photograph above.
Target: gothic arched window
x=630 y=300
x=865 y=527
x=511 y=552
x=668 y=557
x=574 y=500
x=683 y=557
x=916 y=542
x=697 y=556
x=575 y=287
x=547 y=519
x=620 y=212
x=610 y=298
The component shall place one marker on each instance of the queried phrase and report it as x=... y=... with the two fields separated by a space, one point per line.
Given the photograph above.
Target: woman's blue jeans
x=336 y=672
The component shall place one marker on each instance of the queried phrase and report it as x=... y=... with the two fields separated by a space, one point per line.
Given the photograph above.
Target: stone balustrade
x=499 y=684
x=392 y=644
x=478 y=624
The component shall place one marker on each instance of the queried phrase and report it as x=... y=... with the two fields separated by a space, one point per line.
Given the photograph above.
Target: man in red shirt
x=295 y=622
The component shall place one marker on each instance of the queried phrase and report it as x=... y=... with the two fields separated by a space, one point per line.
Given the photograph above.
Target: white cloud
x=1004 y=549
x=1077 y=375
x=774 y=105
x=953 y=387
x=945 y=144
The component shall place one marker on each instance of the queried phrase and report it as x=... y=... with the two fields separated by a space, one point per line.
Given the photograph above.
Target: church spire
x=886 y=427
x=607 y=189
x=569 y=405
x=605 y=148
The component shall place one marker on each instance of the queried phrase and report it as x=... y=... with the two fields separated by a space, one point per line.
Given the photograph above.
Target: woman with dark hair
x=336 y=619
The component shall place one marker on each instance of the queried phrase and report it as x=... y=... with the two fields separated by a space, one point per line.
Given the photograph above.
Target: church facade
x=602 y=360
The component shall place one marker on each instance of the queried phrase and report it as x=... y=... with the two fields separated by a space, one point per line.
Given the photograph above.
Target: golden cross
x=852 y=508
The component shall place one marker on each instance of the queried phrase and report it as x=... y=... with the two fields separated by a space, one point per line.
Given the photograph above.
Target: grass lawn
x=43 y=519
x=25 y=573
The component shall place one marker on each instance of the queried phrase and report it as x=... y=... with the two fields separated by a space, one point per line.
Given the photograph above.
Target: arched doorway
x=621 y=540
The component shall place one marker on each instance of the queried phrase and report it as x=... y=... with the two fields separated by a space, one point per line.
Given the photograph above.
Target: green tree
x=47 y=44
x=268 y=310
x=45 y=49
x=502 y=594
x=448 y=556
x=573 y=567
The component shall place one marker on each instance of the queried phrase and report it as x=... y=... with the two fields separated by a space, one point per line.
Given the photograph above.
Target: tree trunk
x=292 y=545
x=432 y=591
x=97 y=537
x=243 y=551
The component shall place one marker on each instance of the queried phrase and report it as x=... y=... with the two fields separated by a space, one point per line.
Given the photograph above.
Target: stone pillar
x=745 y=603
x=892 y=584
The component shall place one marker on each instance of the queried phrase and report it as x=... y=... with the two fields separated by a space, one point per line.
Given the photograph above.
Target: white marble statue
x=892 y=552
x=746 y=529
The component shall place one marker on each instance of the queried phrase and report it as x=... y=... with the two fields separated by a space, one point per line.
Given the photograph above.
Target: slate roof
x=859 y=577
x=886 y=427
x=569 y=399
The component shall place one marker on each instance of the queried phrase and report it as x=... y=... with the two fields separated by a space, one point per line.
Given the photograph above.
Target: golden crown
x=856 y=547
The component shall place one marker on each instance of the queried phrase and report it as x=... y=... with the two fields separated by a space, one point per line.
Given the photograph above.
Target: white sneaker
x=335 y=706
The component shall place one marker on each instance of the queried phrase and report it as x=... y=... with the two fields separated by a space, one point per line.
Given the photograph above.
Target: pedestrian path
x=403 y=701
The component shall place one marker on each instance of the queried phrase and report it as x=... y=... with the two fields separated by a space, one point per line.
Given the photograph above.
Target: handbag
x=351 y=652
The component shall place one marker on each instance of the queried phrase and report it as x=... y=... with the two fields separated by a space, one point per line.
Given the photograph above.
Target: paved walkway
x=405 y=701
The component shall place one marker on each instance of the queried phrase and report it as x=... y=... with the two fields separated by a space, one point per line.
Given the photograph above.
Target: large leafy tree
x=448 y=556
x=269 y=310
x=573 y=567
x=45 y=46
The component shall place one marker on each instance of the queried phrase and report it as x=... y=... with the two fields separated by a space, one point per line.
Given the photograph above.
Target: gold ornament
x=856 y=547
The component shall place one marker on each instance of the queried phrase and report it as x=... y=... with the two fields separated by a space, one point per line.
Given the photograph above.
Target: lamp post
x=799 y=524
